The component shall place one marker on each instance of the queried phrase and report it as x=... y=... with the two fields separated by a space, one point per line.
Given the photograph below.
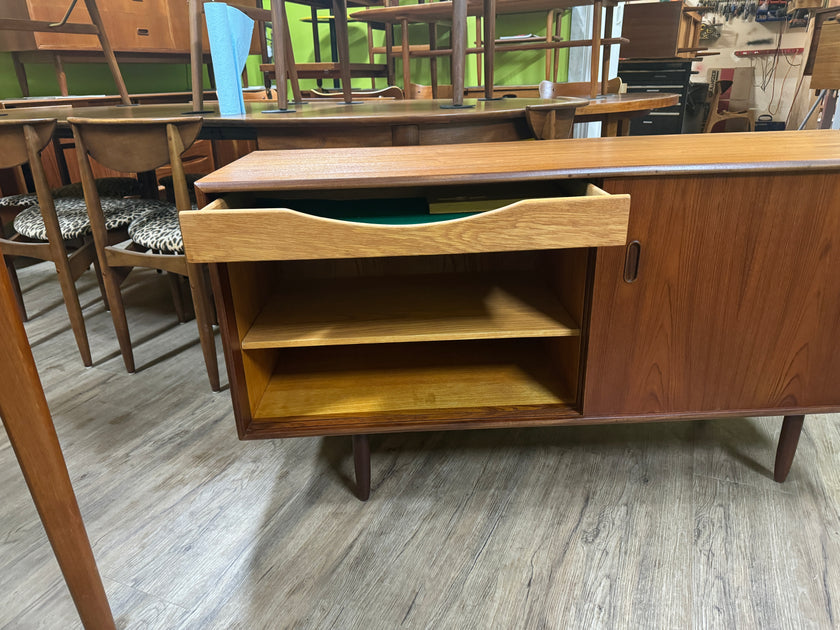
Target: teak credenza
x=605 y=280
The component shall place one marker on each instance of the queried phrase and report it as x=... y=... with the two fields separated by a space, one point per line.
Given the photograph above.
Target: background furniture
x=654 y=76
x=648 y=329
x=378 y=122
x=31 y=29
x=26 y=417
x=154 y=142
x=661 y=29
x=458 y=10
x=23 y=141
x=714 y=116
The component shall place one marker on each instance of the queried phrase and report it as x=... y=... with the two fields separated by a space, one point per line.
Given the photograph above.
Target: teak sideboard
x=363 y=291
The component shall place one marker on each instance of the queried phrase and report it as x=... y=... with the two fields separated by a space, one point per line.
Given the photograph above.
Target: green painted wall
x=512 y=68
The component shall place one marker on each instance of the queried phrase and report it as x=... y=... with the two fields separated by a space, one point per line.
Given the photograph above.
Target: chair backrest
x=134 y=145
x=549 y=89
x=13 y=138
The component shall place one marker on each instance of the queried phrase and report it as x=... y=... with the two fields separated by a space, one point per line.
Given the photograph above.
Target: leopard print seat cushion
x=73 y=219
x=18 y=201
x=159 y=230
x=107 y=187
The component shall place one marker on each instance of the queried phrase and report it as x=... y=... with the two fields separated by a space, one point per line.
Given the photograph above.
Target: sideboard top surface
x=387 y=167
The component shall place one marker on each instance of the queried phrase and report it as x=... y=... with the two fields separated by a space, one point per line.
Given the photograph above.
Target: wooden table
x=320 y=124
x=371 y=123
x=717 y=297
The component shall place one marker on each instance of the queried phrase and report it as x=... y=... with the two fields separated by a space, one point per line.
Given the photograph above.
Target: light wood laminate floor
x=674 y=525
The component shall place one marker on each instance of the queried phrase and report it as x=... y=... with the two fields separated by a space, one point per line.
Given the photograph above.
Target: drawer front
x=656 y=123
x=220 y=234
x=666 y=77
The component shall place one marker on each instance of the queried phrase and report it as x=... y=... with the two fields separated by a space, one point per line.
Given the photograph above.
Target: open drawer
x=442 y=310
x=313 y=229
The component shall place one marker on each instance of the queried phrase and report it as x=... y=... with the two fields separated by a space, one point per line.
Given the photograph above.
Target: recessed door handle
x=632 y=257
x=143 y=32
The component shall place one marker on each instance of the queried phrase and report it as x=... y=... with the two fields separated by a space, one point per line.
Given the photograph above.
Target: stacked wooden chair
x=141 y=145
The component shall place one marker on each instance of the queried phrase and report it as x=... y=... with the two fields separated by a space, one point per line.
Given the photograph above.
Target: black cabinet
x=663 y=75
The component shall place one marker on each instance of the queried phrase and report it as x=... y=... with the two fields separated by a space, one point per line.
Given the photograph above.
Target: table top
x=332 y=169
x=326 y=111
x=334 y=111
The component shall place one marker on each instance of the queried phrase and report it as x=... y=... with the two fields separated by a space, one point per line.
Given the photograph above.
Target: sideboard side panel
x=737 y=301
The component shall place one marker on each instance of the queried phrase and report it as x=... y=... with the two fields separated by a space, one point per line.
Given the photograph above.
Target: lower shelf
x=313 y=390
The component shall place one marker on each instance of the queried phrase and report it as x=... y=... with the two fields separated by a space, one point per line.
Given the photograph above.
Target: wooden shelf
x=409 y=309
x=313 y=383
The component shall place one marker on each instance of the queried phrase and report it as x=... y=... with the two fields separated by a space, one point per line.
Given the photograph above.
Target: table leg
x=343 y=45
x=60 y=75
x=20 y=73
x=788 y=441
x=93 y=11
x=605 y=62
x=26 y=417
x=361 y=461
x=489 y=46
x=459 y=50
x=406 y=60
x=595 y=62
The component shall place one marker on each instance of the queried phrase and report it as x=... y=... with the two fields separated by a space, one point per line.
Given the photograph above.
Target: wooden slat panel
x=281 y=234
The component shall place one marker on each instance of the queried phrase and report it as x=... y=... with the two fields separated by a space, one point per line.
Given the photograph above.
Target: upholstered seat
x=158 y=230
x=73 y=218
x=18 y=201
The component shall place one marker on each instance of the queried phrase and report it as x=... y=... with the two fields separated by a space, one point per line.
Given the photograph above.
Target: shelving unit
x=414 y=319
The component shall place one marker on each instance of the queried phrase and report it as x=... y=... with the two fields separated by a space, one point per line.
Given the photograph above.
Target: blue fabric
x=229 y=31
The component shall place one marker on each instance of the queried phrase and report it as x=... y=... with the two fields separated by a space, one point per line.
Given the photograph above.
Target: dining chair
x=714 y=116
x=50 y=227
x=140 y=145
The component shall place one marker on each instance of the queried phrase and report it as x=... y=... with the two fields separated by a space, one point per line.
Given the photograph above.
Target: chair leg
x=361 y=461
x=10 y=267
x=112 y=290
x=198 y=287
x=98 y=270
x=177 y=296
x=74 y=309
x=788 y=441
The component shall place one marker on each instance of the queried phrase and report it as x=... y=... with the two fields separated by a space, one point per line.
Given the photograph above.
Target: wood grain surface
x=284 y=234
x=486 y=163
x=737 y=304
x=427 y=308
x=668 y=525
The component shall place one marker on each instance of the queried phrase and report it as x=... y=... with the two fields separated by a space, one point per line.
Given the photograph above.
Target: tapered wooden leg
x=26 y=417
x=201 y=303
x=98 y=271
x=177 y=296
x=13 y=278
x=74 y=309
x=20 y=73
x=112 y=290
x=788 y=441
x=361 y=460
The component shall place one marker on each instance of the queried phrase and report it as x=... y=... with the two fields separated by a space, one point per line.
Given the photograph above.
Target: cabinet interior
x=332 y=345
